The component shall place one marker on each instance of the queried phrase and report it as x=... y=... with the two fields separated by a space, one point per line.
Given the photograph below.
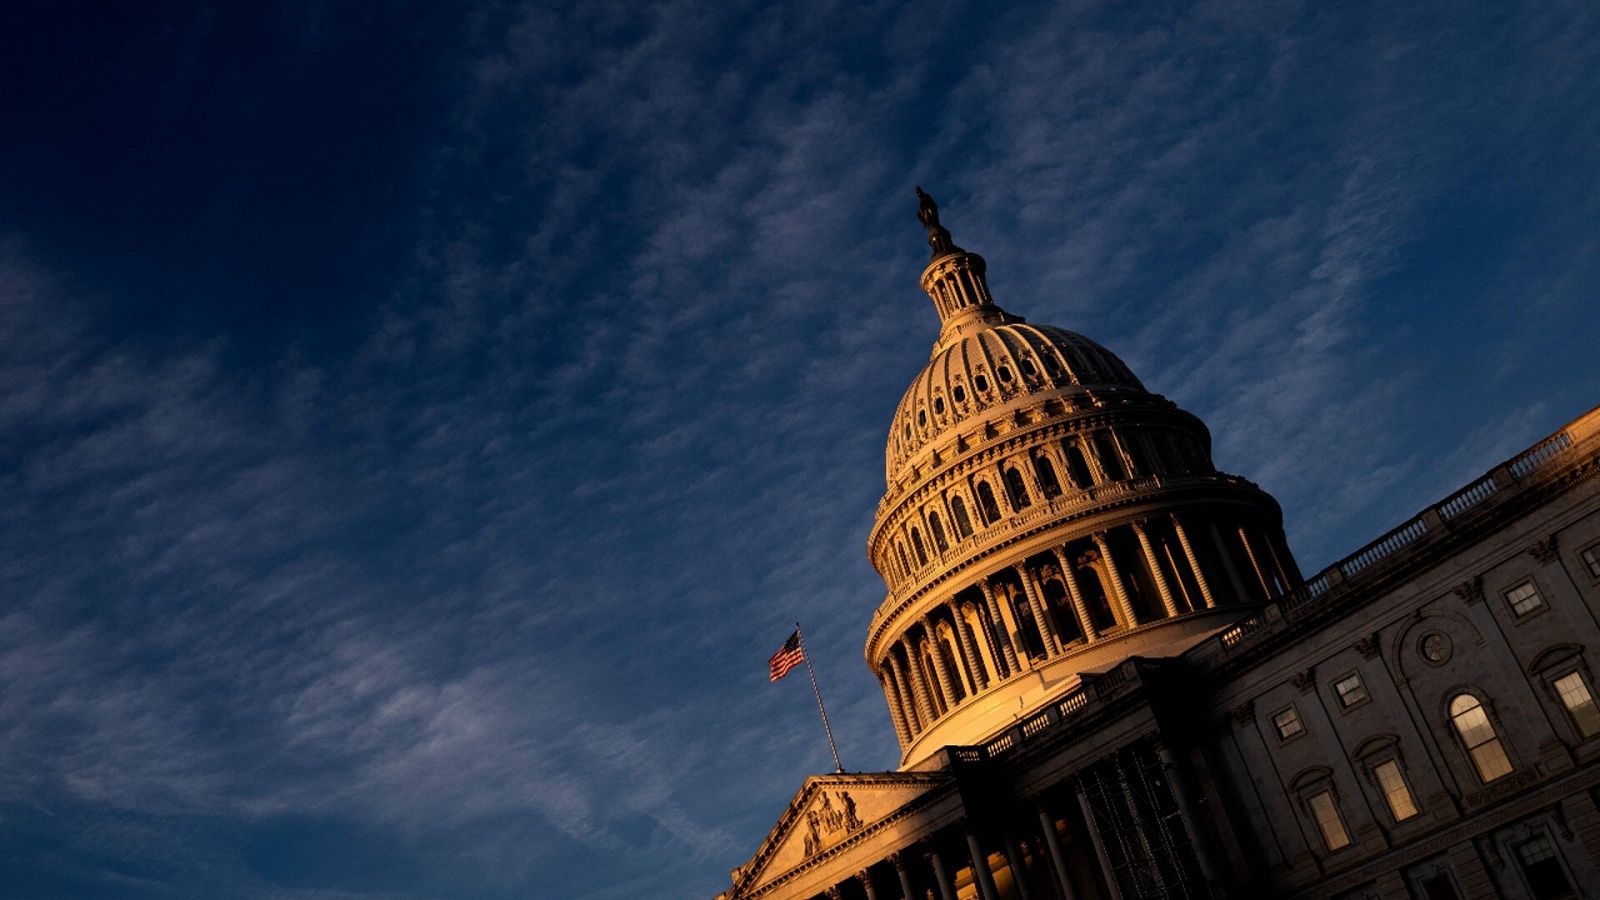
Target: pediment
x=827 y=811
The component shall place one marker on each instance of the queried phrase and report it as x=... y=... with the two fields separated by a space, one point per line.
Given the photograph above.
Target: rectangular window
x=1395 y=792
x=1579 y=702
x=1328 y=821
x=1542 y=869
x=1287 y=723
x=1591 y=559
x=1350 y=690
x=1524 y=599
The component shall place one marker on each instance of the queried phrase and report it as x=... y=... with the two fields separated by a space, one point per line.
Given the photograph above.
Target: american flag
x=787 y=657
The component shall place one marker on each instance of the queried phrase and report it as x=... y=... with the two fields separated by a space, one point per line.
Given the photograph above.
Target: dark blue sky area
x=421 y=424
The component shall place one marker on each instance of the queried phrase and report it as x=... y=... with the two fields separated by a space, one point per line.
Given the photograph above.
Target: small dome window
x=908 y=431
x=959 y=393
x=1004 y=373
x=938 y=406
x=981 y=382
x=922 y=418
x=1029 y=369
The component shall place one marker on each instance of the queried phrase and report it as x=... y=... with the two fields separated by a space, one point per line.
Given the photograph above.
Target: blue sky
x=420 y=424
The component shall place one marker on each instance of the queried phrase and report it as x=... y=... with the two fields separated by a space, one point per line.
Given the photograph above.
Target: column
x=1000 y=625
x=865 y=878
x=1052 y=843
x=1118 y=590
x=1180 y=793
x=940 y=670
x=980 y=678
x=1255 y=562
x=918 y=689
x=980 y=869
x=1099 y=845
x=892 y=694
x=1019 y=874
x=1240 y=593
x=1075 y=595
x=1285 y=560
x=908 y=703
x=941 y=876
x=899 y=860
x=1151 y=560
x=1041 y=616
x=1194 y=563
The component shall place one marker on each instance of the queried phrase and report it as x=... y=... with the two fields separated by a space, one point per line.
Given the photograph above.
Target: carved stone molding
x=1471 y=591
x=1368 y=646
x=1544 y=551
x=1304 y=681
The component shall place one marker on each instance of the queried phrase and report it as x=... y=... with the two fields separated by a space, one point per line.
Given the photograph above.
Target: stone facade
x=1109 y=679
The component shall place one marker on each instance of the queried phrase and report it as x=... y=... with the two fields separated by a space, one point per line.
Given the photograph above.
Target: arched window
x=986 y=505
x=1016 y=491
x=1136 y=457
x=936 y=528
x=1078 y=467
x=1163 y=461
x=1110 y=459
x=905 y=564
x=1478 y=737
x=958 y=512
x=917 y=546
x=1047 y=476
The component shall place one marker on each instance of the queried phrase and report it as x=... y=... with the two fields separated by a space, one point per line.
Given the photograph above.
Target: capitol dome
x=1045 y=516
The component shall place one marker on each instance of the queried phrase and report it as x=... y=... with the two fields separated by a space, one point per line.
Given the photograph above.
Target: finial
x=938 y=235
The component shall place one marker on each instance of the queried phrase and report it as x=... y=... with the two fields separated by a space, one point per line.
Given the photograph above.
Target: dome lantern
x=955 y=281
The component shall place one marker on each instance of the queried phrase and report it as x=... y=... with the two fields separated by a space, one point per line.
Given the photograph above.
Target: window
x=1477 y=735
x=938 y=406
x=1439 y=887
x=1575 y=696
x=1524 y=599
x=959 y=393
x=1287 y=724
x=986 y=505
x=1016 y=491
x=981 y=383
x=1546 y=879
x=1047 y=476
x=1077 y=467
x=1004 y=373
x=1350 y=690
x=905 y=563
x=918 y=547
x=936 y=529
x=1395 y=792
x=1110 y=459
x=1591 y=560
x=958 y=513
x=1326 y=814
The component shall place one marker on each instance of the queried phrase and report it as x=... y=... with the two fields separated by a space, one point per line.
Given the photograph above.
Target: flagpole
x=838 y=767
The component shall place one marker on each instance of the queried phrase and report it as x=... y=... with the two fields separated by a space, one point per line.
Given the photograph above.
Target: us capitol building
x=1111 y=681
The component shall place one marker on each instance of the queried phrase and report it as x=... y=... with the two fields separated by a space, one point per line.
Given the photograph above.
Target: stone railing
x=1062 y=710
x=1549 y=452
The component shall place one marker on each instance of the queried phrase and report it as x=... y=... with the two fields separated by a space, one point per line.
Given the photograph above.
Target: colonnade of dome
x=1045 y=516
